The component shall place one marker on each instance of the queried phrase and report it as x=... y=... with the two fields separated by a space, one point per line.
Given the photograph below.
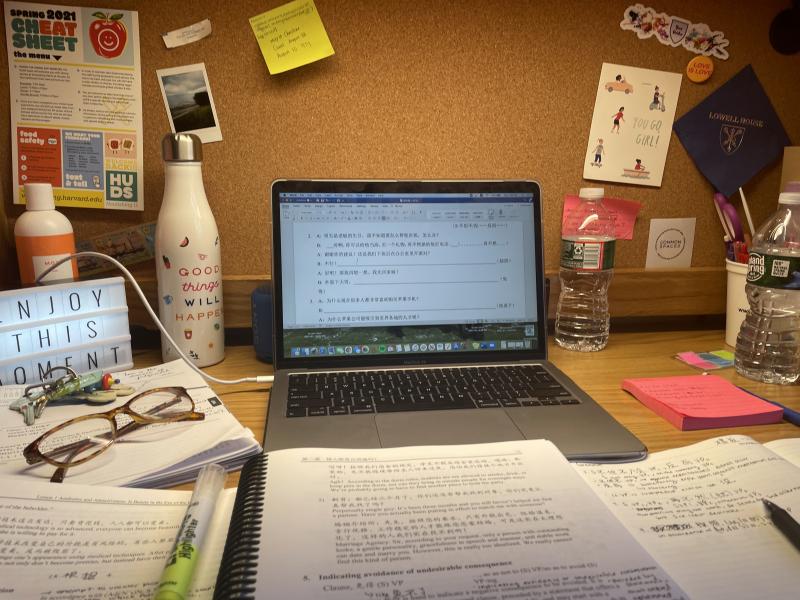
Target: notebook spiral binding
x=237 y=570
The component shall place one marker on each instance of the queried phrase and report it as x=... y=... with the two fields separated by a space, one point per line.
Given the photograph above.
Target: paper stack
x=701 y=402
x=153 y=456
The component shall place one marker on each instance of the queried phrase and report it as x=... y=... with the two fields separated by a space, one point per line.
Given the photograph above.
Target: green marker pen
x=177 y=575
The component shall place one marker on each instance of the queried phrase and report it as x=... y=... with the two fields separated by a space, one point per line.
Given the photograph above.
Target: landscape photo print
x=189 y=103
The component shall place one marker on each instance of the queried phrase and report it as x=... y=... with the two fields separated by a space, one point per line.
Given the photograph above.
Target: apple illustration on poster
x=108 y=35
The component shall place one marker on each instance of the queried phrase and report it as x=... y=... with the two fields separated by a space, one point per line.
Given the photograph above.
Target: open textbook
x=82 y=542
x=153 y=456
x=489 y=521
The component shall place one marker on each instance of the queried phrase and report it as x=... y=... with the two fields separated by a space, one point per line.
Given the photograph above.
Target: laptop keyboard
x=361 y=392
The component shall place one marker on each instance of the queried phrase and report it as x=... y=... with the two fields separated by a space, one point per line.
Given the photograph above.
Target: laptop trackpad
x=445 y=427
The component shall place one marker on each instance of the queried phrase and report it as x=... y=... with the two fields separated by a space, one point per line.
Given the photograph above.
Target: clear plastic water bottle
x=768 y=344
x=587 y=263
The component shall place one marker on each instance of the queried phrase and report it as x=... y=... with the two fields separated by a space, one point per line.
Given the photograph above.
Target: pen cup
x=737 y=305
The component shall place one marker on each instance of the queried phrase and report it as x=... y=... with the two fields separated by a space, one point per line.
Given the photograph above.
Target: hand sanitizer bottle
x=188 y=257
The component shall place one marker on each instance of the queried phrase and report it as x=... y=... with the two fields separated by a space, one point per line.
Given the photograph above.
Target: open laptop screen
x=382 y=272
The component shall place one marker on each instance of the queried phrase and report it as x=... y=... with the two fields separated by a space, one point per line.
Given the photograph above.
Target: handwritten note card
x=701 y=402
x=622 y=211
x=291 y=36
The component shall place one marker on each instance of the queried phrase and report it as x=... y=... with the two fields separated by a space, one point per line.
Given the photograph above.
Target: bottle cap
x=592 y=193
x=182 y=147
x=789 y=198
x=791 y=186
x=39 y=196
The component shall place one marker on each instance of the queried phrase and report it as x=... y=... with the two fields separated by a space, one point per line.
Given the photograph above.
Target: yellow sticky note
x=291 y=36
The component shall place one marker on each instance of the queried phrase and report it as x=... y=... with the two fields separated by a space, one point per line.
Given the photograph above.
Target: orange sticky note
x=701 y=402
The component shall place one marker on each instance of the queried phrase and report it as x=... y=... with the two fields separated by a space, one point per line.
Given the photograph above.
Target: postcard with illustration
x=631 y=125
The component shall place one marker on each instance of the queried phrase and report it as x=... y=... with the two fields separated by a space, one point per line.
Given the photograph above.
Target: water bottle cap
x=182 y=147
x=592 y=193
x=39 y=196
x=789 y=198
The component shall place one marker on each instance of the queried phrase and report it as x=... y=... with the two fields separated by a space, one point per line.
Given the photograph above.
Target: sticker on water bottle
x=774 y=271
x=587 y=256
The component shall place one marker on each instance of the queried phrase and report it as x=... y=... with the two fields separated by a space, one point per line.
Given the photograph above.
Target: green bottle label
x=774 y=271
x=587 y=256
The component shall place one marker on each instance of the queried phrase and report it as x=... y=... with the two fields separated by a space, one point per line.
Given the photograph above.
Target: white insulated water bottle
x=188 y=257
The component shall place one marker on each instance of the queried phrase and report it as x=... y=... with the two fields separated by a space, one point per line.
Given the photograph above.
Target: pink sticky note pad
x=623 y=211
x=701 y=402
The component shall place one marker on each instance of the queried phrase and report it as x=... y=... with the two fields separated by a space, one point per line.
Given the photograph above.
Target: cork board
x=497 y=89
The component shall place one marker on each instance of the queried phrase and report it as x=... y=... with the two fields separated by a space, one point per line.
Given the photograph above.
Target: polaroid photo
x=188 y=100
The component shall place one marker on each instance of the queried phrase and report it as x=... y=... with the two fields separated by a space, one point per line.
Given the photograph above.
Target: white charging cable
x=151 y=312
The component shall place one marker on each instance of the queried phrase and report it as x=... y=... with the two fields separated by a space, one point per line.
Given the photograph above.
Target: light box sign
x=80 y=325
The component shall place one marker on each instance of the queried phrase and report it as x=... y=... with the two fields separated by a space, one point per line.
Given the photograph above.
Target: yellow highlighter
x=177 y=575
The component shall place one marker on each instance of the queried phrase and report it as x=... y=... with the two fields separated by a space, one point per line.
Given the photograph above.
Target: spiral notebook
x=418 y=522
x=476 y=520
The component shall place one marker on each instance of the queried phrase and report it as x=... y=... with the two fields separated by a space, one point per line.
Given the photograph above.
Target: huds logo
x=121 y=185
x=756 y=267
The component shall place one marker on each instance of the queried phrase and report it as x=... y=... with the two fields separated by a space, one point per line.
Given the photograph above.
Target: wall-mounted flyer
x=76 y=103
x=631 y=125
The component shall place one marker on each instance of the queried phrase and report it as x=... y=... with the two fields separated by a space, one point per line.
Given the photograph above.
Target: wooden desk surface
x=599 y=373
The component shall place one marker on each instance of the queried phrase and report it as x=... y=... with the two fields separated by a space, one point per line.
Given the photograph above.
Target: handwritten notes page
x=291 y=36
x=86 y=542
x=173 y=452
x=697 y=510
x=472 y=521
x=701 y=402
x=789 y=449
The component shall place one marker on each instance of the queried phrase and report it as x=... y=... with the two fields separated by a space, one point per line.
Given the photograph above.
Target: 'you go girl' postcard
x=631 y=125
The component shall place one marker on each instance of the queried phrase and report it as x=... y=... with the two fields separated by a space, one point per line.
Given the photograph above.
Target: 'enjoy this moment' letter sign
x=80 y=325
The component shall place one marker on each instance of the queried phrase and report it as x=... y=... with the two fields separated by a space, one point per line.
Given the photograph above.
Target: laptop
x=413 y=313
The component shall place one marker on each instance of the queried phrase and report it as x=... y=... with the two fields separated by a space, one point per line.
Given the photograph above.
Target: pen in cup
x=177 y=575
x=740 y=252
x=729 y=252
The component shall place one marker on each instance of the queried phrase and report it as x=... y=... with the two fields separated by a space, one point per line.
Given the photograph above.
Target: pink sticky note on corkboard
x=623 y=211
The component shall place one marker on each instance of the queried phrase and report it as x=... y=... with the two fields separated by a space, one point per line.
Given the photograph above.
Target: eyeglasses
x=82 y=438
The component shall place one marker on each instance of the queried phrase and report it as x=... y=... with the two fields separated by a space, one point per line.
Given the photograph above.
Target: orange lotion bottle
x=43 y=236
